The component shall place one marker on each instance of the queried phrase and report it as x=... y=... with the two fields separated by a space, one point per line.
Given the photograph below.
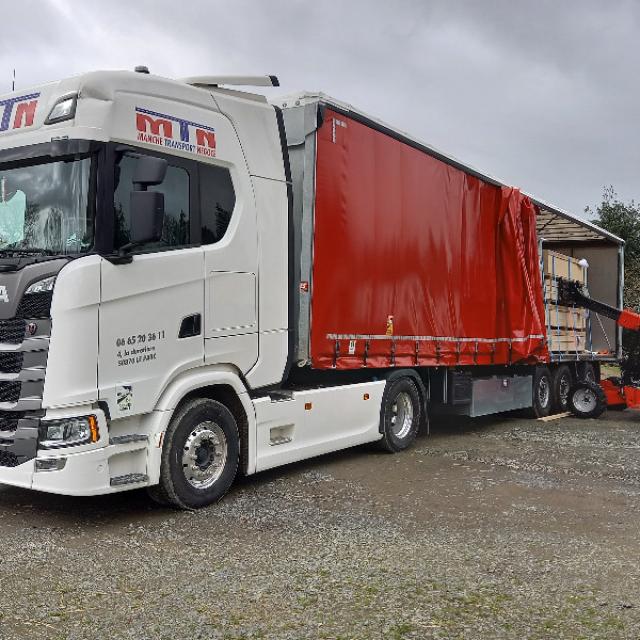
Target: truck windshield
x=44 y=208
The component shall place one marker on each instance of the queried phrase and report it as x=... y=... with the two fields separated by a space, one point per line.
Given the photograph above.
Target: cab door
x=151 y=310
x=192 y=300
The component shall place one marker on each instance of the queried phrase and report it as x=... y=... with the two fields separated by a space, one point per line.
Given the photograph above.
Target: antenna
x=13 y=84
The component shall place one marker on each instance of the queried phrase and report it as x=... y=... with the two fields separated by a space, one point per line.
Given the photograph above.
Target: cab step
x=129 y=478
x=127 y=438
x=281 y=396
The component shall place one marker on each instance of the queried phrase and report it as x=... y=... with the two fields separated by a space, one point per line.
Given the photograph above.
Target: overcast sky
x=540 y=93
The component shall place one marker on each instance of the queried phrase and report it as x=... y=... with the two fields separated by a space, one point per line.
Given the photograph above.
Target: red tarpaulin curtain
x=417 y=262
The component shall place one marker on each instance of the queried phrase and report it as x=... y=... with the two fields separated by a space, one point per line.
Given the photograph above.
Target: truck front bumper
x=81 y=470
x=84 y=474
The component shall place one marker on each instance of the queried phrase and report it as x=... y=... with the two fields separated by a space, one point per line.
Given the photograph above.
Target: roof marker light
x=63 y=109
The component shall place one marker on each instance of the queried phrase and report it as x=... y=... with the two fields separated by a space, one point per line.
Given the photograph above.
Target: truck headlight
x=41 y=286
x=68 y=432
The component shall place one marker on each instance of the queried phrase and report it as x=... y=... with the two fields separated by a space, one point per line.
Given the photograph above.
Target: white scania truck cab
x=144 y=293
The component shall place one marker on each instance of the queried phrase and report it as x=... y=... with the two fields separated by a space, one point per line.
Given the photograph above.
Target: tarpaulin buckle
x=393 y=352
x=366 y=353
x=336 y=353
x=417 y=353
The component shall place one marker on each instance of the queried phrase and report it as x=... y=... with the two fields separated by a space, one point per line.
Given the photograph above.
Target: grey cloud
x=537 y=92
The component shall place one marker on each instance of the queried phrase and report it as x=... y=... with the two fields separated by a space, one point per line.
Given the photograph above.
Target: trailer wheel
x=200 y=455
x=400 y=414
x=587 y=399
x=561 y=385
x=542 y=393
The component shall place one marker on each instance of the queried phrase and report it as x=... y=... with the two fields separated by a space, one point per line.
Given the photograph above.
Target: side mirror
x=147 y=207
x=149 y=171
x=147 y=215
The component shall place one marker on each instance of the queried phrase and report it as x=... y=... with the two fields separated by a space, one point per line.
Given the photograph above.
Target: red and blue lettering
x=157 y=128
x=25 y=111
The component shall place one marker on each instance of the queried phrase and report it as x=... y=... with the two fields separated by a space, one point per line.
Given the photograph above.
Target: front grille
x=12 y=331
x=9 y=423
x=8 y=459
x=35 y=305
x=10 y=391
x=11 y=362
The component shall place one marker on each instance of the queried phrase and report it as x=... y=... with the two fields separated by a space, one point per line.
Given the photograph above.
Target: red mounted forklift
x=588 y=399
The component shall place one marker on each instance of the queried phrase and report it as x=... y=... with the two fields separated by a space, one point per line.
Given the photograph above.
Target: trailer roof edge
x=306 y=97
x=569 y=216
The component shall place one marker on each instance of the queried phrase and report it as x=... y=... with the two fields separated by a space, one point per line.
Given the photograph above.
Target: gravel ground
x=507 y=528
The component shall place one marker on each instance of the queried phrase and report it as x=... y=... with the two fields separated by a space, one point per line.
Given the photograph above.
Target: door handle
x=190 y=326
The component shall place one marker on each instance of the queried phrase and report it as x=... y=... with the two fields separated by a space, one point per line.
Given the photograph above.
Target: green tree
x=623 y=220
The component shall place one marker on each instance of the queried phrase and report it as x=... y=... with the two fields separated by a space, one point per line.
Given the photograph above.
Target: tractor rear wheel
x=587 y=399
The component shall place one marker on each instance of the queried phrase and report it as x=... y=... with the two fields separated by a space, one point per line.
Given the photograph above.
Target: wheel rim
x=204 y=455
x=584 y=400
x=402 y=415
x=565 y=384
x=543 y=391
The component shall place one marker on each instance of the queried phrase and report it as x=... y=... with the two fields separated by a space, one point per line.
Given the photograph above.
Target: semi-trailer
x=196 y=281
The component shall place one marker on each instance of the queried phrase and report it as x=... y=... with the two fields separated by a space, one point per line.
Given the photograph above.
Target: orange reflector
x=93 y=426
x=308 y=406
x=365 y=396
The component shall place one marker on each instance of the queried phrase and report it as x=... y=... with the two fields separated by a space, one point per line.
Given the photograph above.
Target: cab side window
x=176 y=190
x=217 y=201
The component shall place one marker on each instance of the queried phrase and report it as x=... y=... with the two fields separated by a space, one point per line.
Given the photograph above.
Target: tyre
x=400 y=414
x=587 y=399
x=588 y=373
x=561 y=383
x=199 y=457
x=542 y=393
